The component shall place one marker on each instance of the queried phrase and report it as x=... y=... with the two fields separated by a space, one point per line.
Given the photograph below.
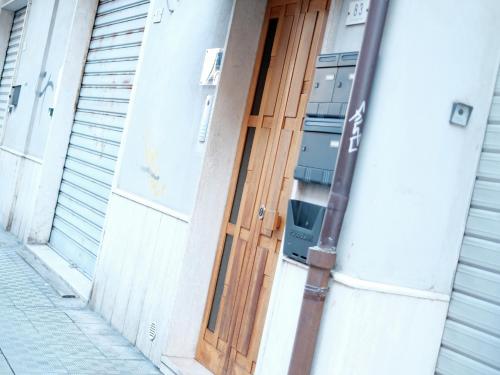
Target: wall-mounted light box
x=460 y=114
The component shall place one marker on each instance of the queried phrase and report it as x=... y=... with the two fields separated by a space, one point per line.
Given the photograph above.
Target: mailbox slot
x=303 y=226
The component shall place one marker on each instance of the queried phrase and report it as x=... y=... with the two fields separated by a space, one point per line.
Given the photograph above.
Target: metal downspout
x=322 y=258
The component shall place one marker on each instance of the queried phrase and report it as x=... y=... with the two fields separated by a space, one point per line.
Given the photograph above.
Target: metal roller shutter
x=97 y=129
x=471 y=339
x=10 y=63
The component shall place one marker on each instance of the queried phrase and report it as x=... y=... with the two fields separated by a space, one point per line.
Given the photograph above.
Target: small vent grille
x=152 y=331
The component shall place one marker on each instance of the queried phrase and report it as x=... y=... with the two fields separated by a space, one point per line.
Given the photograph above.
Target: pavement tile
x=47 y=315
x=4 y=366
x=122 y=352
x=83 y=316
x=135 y=367
x=108 y=340
x=43 y=333
x=102 y=329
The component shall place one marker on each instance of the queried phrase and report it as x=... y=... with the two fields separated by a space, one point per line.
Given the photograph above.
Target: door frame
x=221 y=147
x=234 y=172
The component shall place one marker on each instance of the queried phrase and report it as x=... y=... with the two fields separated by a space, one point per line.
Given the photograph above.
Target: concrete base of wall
x=67 y=280
x=368 y=328
x=182 y=366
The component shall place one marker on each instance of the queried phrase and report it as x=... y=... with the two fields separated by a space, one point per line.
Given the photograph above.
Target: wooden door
x=255 y=214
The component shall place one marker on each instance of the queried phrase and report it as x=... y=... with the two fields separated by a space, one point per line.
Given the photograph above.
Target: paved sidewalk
x=42 y=333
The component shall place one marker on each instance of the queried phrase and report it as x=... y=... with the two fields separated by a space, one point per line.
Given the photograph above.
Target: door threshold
x=182 y=366
x=67 y=280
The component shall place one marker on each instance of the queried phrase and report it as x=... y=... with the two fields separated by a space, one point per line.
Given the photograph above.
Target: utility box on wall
x=325 y=117
x=303 y=223
x=332 y=85
x=318 y=151
x=326 y=110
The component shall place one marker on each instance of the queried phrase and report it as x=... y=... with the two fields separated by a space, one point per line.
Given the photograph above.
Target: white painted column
x=401 y=237
x=67 y=89
x=191 y=296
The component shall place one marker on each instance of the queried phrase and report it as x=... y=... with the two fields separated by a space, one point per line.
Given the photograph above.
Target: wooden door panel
x=260 y=314
x=248 y=319
x=259 y=151
x=318 y=7
x=244 y=292
x=272 y=216
x=229 y=297
x=299 y=70
x=276 y=9
x=278 y=60
x=211 y=357
x=271 y=261
x=288 y=46
x=240 y=365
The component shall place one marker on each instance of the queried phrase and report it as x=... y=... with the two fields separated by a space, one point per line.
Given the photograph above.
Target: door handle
x=262 y=212
x=272 y=222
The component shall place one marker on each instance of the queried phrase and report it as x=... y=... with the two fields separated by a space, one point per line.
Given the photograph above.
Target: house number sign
x=357 y=13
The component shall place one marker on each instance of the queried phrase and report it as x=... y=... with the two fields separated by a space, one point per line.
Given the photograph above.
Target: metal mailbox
x=325 y=117
x=303 y=225
x=319 y=149
x=332 y=85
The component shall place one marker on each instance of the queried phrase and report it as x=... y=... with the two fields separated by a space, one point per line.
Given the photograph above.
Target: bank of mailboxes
x=325 y=117
x=332 y=85
x=318 y=151
x=323 y=126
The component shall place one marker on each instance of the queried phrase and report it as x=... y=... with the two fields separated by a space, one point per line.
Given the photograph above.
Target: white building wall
x=149 y=215
x=26 y=129
x=161 y=156
x=414 y=180
x=133 y=288
x=32 y=59
x=401 y=237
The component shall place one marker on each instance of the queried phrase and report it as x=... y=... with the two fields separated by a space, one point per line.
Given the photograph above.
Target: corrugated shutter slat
x=471 y=338
x=10 y=62
x=95 y=139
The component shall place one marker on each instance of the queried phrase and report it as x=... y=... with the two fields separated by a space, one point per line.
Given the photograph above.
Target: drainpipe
x=322 y=258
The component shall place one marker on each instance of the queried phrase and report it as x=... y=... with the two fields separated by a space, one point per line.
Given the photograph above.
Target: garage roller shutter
x=471 y=339
x=10 y=63
x=95 y=138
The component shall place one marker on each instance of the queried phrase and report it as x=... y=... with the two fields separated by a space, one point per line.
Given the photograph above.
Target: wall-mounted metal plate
x=303 y=225
x=358 y=12
x=157 y=15
x=152 y=331
x=14 y=97
x=460 y=114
